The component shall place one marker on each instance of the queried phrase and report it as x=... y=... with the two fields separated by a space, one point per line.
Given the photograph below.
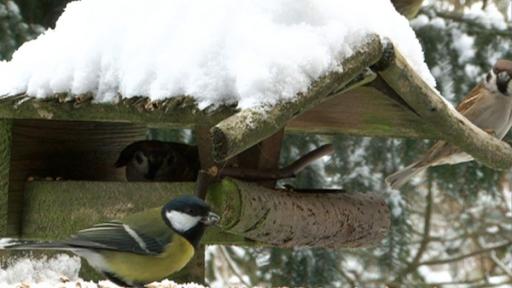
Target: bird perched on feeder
x=144 y=247
x=488 y=106
x=151 y=160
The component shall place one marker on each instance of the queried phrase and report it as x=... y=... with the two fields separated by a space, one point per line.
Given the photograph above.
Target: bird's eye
x=139 y=158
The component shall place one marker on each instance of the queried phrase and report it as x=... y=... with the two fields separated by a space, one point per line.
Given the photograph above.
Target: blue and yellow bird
x=144 y=247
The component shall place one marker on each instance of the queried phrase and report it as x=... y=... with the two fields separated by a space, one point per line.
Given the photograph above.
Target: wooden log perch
x=289 y=219
x=249 y=126
x=449 y=124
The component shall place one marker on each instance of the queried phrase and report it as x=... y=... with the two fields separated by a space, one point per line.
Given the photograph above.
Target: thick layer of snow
x=60 y=271
x=250 y=52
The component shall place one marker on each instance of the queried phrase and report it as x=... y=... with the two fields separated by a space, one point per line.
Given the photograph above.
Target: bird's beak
x=210 y=219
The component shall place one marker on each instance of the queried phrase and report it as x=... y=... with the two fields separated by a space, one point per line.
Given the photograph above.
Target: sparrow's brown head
x=501 y=74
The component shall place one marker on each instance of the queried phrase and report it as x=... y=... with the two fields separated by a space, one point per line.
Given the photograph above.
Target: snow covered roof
x=252 y=67
x=228 y=52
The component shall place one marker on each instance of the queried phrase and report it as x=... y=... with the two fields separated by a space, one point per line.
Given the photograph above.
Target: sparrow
x=144 y=247
x=488 y=105
x=152 y=160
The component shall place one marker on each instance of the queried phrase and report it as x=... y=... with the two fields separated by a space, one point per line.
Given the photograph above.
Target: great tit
x=144 y=247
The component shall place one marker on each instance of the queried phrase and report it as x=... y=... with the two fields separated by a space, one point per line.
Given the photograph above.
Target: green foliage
x=42 y=12
x=13 y=30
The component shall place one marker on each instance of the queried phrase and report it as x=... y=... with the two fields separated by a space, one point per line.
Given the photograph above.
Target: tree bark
x=289 y=219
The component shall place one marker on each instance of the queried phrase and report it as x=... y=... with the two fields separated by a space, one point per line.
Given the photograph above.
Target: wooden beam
x=176 y=112
x=249 y=126
x=448 y=124
x=263 y=156
x=5 y=167
x=364 y=111
x=290 y=219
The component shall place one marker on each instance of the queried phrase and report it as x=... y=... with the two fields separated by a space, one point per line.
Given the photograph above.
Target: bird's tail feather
x=17 y=244
x=399 y=178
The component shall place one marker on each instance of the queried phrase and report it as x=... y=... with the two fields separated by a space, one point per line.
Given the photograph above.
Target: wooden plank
x=358 y=112
x=364 y=111
x=176 y=112
x=249 y=126
x=69 y=150
x=5 y=166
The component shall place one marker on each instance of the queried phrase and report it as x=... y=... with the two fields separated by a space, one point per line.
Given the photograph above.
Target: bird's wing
x=468 y=102
x=118 y=236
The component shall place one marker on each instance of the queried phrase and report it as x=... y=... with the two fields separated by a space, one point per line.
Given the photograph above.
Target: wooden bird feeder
x=377 y=94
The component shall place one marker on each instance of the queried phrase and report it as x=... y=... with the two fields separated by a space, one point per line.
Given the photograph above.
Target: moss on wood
x=250 y=126
x=180 y=112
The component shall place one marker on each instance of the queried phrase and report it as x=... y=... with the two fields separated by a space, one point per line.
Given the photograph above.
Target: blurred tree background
x=452 y=226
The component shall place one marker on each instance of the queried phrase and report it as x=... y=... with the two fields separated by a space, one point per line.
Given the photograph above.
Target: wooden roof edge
x=249 y=126
x=447 y=122
x=180 y=111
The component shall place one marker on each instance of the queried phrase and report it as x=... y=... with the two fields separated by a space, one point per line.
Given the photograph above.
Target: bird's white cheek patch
x=182 y=221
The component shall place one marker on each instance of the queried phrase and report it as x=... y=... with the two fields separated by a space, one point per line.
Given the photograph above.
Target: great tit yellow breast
x=134 y=268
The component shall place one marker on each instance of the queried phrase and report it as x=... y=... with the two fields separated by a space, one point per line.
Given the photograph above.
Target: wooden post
x=263 y=156
x=5 y=166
